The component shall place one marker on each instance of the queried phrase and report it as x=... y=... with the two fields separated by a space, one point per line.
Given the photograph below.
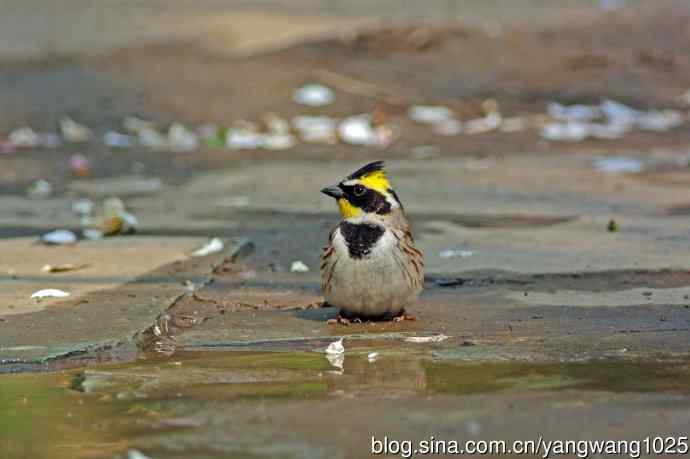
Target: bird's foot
x=402 y=317
x=340 y=320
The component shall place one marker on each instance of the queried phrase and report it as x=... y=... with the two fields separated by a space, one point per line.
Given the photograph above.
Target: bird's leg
x=404 y=316
x=340 y=320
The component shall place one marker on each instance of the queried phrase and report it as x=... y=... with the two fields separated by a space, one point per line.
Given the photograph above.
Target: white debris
x=577 y=112
x=514 y=124
x=565 y=132
x=50 y=293
x=608 y=120
x=92 y=234
x=314 y=95
x=61 y=268
x=618 y=164
x=488 y=123
x=448 y=127
x=191 y=287
x=337 y=360
x=299 y=267
x=243 y=139
x=429 y=114
x=455 y=254
x=316 y=129
x=114 y=139
x=136 y=454
x=372 y=356
x=276 y=124
x=135 y=125
x=278 y=141
x=24 y=137
x=151 y=138
x=357 y=130
x=618 y=113
x=74 y=132
x=182 y=139
x=213 y=246
x=656 y=120
x=82 y=206
x=40 y=189
x=336 y=347
x=59 y=237
x=426 y=339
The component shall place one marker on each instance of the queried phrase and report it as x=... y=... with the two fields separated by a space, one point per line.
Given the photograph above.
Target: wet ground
x=298 y=404
x=553 y=322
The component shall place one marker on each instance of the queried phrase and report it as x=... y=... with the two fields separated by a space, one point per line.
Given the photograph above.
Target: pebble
x=59 y=237
x=313 y=95
x=299 y=267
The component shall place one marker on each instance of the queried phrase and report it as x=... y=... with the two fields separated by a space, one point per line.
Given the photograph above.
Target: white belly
x=374 y=285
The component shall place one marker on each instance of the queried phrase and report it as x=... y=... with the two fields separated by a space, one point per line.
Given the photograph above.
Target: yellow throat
x=347 y=210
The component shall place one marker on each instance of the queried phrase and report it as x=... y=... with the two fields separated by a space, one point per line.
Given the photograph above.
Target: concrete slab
x=128 y=283
x=105 y=264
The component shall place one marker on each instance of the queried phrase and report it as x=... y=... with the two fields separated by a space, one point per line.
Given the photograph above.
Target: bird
x=370 y=267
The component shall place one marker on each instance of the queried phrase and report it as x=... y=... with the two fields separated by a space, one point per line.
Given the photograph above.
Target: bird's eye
x=359 y=190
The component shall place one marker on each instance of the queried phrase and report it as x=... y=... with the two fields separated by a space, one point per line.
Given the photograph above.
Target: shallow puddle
x=107 y=410
x=605 y=375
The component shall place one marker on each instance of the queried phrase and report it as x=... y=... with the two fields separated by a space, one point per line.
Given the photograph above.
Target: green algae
x=605 y=375
x=41 y=417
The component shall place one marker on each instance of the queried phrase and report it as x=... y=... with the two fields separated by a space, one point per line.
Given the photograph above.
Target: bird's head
x=365 y=192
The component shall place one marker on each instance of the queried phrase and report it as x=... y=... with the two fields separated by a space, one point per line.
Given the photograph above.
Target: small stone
x=299 y=267
x=59 y=237
x=40 y=189
x=612 y=226
x=313 y=95
x=429 y=114
x=74 y=132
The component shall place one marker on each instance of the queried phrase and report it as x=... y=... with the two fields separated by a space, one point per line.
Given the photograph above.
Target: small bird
x=370 y=268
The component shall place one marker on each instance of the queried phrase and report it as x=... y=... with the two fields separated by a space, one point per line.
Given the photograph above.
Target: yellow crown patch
x=375 y=181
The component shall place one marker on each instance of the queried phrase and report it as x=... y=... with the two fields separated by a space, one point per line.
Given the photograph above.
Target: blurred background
x=212 y=63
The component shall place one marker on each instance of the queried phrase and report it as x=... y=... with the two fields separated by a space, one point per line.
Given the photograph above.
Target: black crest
x=368 y=169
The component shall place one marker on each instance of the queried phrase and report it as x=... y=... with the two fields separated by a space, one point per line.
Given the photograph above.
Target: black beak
x=333 y=192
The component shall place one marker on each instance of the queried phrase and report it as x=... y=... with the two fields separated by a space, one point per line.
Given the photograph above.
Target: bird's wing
x=411 y=258
x=329 y=259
